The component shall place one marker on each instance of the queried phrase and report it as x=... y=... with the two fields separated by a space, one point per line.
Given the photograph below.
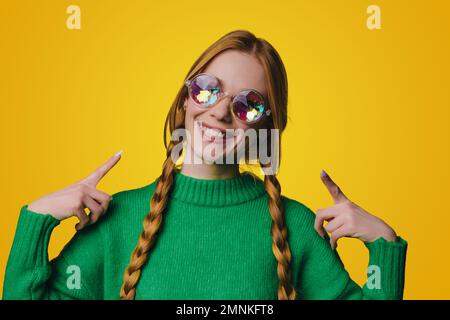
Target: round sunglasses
x=248 y=105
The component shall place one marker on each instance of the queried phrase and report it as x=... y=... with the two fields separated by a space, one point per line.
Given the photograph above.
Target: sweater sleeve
x=323 y=276
x=77 y=273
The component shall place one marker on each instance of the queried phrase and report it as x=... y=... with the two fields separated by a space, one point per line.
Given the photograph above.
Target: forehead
x=237 y=70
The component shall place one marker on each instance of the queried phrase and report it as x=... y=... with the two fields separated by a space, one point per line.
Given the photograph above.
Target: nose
x=221 y=111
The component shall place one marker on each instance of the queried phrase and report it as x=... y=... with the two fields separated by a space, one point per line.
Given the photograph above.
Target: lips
x=214 y=128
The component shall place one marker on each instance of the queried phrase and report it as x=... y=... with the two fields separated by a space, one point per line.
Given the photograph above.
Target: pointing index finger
x=336 y=193
x=94 y=178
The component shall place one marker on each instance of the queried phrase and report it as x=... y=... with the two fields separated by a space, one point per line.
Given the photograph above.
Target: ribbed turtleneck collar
x=216 y=192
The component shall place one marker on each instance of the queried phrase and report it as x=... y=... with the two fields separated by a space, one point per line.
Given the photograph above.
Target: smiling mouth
x=214 y=134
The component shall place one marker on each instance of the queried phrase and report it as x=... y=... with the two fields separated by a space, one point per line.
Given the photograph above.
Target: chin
x=215 y=158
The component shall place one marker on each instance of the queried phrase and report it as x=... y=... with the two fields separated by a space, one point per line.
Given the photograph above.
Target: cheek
x=245 y=127
x=191 y=115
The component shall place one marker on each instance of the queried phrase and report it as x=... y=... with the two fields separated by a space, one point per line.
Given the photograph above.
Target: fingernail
x=323 y=173
x=118 y=153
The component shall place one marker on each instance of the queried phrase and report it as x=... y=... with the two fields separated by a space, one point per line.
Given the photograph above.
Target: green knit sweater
x=214 y=243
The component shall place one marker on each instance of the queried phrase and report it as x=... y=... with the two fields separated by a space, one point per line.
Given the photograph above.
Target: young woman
x=209 y=230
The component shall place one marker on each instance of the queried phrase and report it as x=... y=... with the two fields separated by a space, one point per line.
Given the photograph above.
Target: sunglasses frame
x=223 y=94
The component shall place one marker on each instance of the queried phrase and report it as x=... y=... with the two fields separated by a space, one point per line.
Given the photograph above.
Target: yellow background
x=369 y=106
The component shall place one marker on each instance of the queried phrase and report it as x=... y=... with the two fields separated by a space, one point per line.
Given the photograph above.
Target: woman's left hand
x=347 y=219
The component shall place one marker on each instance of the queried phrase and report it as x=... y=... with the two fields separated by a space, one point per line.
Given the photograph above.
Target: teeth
x=213 y=133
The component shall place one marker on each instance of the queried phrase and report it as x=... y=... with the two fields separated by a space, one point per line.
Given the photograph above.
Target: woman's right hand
x=73 y=199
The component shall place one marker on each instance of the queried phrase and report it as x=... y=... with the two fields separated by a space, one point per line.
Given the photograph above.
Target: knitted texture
x=214 y=243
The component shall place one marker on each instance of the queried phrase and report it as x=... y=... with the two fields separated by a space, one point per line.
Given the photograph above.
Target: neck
x=216 y=192
x=210 y=171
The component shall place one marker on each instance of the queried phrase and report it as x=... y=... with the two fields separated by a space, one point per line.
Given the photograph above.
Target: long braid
x=152 y=223
x=279 y=232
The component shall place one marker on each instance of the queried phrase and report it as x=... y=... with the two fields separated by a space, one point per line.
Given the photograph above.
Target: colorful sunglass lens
x=248 y=106
x=205 y=90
